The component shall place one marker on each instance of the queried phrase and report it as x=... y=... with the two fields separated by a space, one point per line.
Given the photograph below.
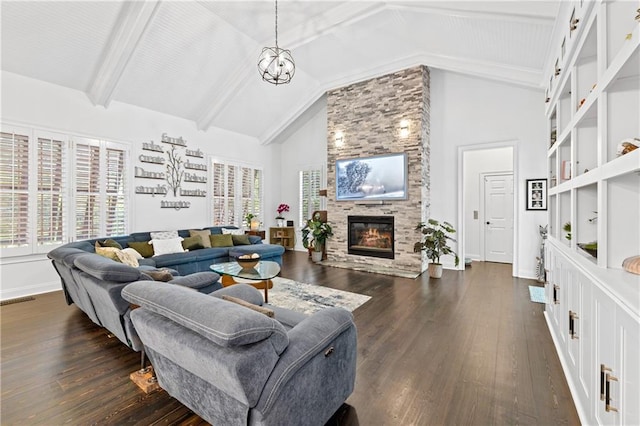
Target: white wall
x=476 y=163
x=38 y=104
x=306 y=149
x=468 y=111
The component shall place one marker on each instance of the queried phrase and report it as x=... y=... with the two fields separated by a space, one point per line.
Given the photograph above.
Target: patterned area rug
x=537 y=294
x=310 y=298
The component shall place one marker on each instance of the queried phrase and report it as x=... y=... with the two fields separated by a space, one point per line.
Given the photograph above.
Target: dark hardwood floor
x=467 y=349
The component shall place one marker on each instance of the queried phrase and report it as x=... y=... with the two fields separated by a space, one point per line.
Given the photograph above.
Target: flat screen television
x=377 y=178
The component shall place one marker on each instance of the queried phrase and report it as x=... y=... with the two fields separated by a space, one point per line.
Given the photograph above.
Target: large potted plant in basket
x=435 y=243
x=314 y=236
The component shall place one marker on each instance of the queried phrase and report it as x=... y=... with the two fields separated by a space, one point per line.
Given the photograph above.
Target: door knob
x=488 y=223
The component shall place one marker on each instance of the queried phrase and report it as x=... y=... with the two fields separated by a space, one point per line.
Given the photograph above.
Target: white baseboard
x=14 y=293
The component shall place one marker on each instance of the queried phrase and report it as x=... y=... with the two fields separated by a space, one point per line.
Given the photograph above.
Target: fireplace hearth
x=371 y=236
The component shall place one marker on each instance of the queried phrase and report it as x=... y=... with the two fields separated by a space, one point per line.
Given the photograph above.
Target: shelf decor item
x=282 y=208
x=536 y=194
x=435 y=243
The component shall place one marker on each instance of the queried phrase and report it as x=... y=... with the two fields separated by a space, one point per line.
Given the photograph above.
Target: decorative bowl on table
x=248 y=261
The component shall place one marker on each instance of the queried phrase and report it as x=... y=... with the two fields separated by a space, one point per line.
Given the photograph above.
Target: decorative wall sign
x=150 y=146
x=173 y=141
x=145 y=174
x=191 y=153
x=175 y=172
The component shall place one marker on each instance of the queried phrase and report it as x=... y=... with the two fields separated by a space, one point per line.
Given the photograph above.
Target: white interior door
x=498 y=218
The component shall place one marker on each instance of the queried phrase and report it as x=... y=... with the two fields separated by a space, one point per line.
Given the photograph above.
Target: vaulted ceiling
x=198 y=59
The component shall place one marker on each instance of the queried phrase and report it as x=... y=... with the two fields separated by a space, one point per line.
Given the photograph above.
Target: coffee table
x=263 y=272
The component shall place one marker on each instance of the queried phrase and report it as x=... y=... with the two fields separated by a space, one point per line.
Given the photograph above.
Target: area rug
x=537 y=294
x=363 y=267
x=310 y=298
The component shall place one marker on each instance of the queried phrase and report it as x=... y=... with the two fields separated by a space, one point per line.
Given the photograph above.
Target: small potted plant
x=314 y=236
x=435 y=243
x=282 y=208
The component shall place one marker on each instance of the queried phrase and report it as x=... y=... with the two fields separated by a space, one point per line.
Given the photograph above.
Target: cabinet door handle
x=603 y=370
x=607 y=398
x=556 y=288
x=572 y=325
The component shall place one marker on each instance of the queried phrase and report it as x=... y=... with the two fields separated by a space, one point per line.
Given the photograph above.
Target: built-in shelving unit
x=285 y=236
x=592 y=105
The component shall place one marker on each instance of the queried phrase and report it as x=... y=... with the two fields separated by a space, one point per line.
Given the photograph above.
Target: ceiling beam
x=132 y=23
x=331 y=20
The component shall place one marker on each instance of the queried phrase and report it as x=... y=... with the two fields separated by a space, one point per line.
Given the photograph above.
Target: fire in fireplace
x=371 y=236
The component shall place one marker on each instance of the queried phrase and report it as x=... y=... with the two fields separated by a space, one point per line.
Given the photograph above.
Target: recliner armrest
x=321 y=354
x=197 y=280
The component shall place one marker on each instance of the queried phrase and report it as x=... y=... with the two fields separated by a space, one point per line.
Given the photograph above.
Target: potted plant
x=314 y=236
x=282 y=208
x=435 y=243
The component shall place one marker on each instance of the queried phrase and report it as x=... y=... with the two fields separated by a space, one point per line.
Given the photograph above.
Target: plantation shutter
x=51 y=201
x=257 y=193
x=14 y=190
x=218 y=193
x=310 y=182
x=116 y=192
x=230 y=196
x=87 y=196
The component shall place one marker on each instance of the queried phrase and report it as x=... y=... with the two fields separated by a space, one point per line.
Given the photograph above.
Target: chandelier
x=276 y=65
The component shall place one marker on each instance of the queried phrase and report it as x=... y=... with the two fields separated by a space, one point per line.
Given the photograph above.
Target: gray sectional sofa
x=234 y=366
x=94 y=283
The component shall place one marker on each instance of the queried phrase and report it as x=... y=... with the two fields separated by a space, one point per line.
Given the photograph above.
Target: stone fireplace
x=371 y=236
x=369 y=117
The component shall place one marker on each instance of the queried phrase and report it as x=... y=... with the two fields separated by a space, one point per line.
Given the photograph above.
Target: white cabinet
x=597 y=336
x=593 y=104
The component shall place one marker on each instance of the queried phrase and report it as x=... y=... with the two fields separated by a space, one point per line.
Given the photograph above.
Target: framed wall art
x=536 y=194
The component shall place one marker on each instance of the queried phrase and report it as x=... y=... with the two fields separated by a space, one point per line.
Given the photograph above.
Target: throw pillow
x=193 y=243
x=110 y=243
x=231 y=231
x=108 y=252
x=144 y=248
x=173 y=245
x=268 y=312
x=220 y=240
x=240 y=240
x=160 y=275
x=127 y=258
x=133 y=252
x=164 y=235
x=204 y=234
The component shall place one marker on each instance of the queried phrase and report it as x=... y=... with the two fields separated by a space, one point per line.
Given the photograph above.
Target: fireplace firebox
x=371 y=236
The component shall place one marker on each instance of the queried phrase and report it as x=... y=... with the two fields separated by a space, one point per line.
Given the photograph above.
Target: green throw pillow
x=192 y=243
x=240 y=240
x=143 y=247
x=221 y=240
x=110 y=243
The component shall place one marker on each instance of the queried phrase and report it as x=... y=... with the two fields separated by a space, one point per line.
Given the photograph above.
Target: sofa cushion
x=167 y=246
x=164 y=235
x=133 y=252
x=193 y=243
x=264 y=250
x=197 y=280
x=127 y=258
x=108 y=252
x=204 y=235
x=221 y=240
x=162 y=274
x=106 y=269
x=240 y=240
x=110 y=243
x=176 y=258
x=212 y=253
x=143 y=247
x=226 y=324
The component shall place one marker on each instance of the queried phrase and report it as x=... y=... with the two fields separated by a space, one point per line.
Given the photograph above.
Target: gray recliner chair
x=233 y=365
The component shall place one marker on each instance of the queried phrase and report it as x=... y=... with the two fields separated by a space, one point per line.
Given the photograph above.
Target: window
x=237 y=191
x=56 y=188
x=14 y=190
x=310 y=181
